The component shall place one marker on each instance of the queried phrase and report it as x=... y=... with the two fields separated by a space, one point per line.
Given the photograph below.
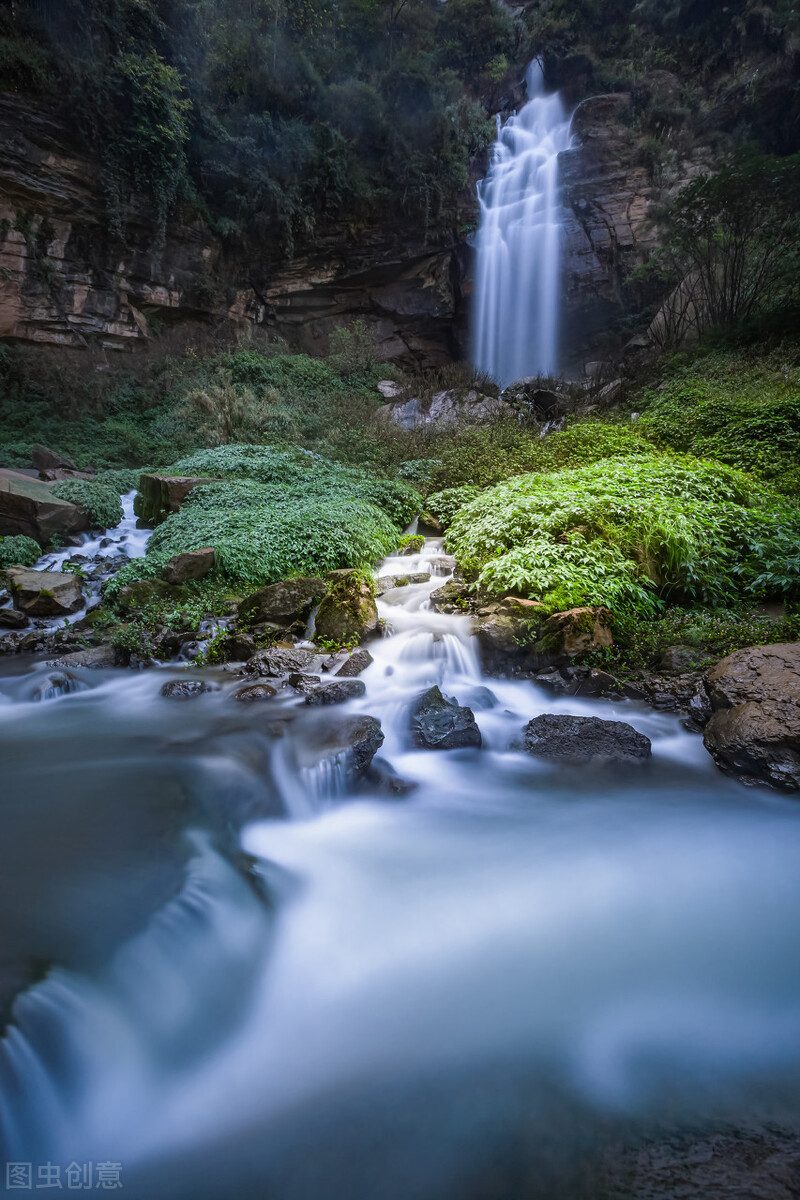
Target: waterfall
x=515 y=317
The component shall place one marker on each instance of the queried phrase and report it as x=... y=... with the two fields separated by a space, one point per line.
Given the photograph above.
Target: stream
x=242 y=980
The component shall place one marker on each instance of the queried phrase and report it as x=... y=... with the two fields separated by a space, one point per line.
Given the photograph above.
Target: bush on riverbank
x=18 y=551
x=629 y=534
x=100 y=500
x=275 y=513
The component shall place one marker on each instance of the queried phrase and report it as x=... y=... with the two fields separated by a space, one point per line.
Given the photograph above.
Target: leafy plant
x=99 y=500
x=19 y=550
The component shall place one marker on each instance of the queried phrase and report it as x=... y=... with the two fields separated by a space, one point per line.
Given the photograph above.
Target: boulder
x=529 y=398
x=576 y=632
x=387 y=583
x=580 y=681
x=136 y=596
x=445 y=410
x=452 y=597
x=239 y=647
x=439 y=722
x=583 y=739
x=195 y=564
x=679 y=660
x=338 y=691
x=30 y=508
x=509 y=626
x=347 y=613
x=254 y=693
x=288 y=602
x=389 y=389
x=186 y=689
x=160 y=495
x=355 y=664
x=96 y=658
x=383 y=778
x=44 y=593
x=12 y=618
x=754 y=730
x=442 y=564
x=279 y=660
x=45 y=459
x=356 y=740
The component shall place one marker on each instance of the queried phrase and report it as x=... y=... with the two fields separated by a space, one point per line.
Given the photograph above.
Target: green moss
x=411 y=541
x=99 y=500
x=19 y=551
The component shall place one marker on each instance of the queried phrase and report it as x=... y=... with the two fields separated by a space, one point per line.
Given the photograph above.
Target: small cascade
x=516 y=308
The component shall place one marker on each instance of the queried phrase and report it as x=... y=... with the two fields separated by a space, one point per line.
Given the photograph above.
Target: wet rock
x=136 y=596
x=509 y=626
x=12 y=618
x=338 y=691
x=574 y=633
x=383 y=778
x=439 y=722
x=96 y=658
x=304 y=684
x=680 y=660
x=29 y=507
x=442 y=564
x=280 y=660
x=452 y=597
x=754 y=730
x=582 y=739
x=355 y=664
x=160 y=495
x=239 y=647
x=254 y=693
x=348 y=612
x=195 y=564
x=385 y=583
x=356 y=740
x=481 y=699
x=44 y=593
x=186 y=689
x=580 y=681
x=288 y=602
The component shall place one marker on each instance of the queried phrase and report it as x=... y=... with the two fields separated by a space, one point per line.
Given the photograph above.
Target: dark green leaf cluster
x=19 y=551
x=99 y=500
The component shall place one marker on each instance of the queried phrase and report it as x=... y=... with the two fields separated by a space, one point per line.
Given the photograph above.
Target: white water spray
x=515 y=318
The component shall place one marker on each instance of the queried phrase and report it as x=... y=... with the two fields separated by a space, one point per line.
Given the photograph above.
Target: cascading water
x=516 y=309
x=447 y=995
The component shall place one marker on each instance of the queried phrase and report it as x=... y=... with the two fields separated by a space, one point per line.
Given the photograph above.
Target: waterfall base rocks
x=440 y=723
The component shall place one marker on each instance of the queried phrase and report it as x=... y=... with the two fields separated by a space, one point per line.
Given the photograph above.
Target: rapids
x=247 y=982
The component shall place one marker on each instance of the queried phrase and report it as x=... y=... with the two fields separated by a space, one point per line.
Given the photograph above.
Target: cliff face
x=65 y=282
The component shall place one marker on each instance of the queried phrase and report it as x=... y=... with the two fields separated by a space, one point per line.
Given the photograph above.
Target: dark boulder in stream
x=439 y=722
x=338 y=691
x=288 y=602
x=185 y=689
x=583 y=739
x=355 y=664
x=353 y=740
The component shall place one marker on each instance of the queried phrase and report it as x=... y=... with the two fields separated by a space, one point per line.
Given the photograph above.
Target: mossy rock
x=348 y=612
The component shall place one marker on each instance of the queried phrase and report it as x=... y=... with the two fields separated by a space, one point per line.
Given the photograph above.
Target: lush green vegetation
x=277 y=513
x=630 y=533
x=100 y=500
x=742 y=408
x=18 y=551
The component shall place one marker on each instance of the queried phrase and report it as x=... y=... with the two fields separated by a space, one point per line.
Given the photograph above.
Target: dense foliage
x=18 y=551
x=628 y=532
x=99 y=500
x=276 y=513
x=741 y=408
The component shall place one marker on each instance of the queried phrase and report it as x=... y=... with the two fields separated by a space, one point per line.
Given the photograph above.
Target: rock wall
x=65 y=282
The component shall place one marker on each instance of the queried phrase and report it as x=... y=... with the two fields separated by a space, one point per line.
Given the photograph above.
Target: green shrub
x=485 y=455
x=630 y=533
x=739 y=408
x=99 y=500
x=261 y=535
x=445 y=504
x=19 y=551
x=411 y=541
x=301 y=473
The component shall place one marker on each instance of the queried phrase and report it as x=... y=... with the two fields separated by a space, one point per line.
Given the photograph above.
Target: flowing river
x=242 y=981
